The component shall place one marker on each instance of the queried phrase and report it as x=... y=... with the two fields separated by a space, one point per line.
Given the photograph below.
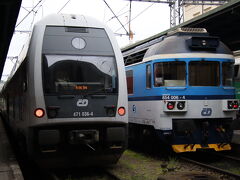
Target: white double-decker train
x=67 y=102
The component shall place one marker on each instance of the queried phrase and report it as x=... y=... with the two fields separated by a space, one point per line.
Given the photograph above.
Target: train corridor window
x=129 y=76
x=236 y=71
x=148 y=76
x=204 y=73
x=227 y=73
x=170 y=74
x=75 y=75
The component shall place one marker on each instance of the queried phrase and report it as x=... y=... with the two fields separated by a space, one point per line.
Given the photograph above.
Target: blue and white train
x=182 y=90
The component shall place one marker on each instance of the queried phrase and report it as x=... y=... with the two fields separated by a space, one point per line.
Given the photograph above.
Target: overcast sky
x=147 y=19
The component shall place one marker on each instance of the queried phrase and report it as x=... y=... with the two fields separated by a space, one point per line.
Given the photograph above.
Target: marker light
x=121 y=111
x=170 y=105
x=39 y=112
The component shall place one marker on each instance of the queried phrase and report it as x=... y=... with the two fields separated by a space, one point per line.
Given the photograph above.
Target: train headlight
x=121 y=111
x=170 y=105
x=230 y=105
x=39 y=112
x=181 y=105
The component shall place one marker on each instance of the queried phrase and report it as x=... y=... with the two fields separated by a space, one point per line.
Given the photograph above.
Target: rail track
x=213 y=160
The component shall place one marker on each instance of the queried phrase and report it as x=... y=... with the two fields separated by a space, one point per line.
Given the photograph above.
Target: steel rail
x=226 y=156
x=211 y=167
x=112 y=175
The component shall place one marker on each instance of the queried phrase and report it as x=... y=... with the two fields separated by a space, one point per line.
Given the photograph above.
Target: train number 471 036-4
x=83 y=114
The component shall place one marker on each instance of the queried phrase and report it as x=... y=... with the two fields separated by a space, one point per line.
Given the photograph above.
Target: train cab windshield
x=170 y=74
x=204 y=73
x=173 y=73
x=64 y=74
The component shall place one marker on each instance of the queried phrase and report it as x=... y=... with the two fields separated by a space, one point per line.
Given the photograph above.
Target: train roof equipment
x=180 y=40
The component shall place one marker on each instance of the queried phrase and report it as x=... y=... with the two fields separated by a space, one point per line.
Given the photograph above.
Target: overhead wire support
x=204 y=2
x=25 y=9
x=177 y=7
x=129 y=24
x=153 y=1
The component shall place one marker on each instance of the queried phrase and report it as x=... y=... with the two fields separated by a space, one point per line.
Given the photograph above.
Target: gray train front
x=64 y=103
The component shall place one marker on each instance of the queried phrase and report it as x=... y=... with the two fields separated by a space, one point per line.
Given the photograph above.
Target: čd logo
x=206 y=112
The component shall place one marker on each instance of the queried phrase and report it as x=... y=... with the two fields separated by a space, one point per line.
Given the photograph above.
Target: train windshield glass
x=204 y=73
x=79 y=74
x=227 y=73
x=170 y=74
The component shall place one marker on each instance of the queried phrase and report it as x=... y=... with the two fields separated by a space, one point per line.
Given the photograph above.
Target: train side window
x=148 y=76
x=129 y=76
x=227 y=73
x=236 y=71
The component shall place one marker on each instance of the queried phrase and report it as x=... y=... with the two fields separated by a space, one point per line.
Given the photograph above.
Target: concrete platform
x=9 y=168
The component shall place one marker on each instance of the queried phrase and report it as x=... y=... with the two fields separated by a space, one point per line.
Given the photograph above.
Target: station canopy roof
x=9 y=10
x=223 y=22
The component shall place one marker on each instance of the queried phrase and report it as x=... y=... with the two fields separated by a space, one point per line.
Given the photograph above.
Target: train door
x=148 y=76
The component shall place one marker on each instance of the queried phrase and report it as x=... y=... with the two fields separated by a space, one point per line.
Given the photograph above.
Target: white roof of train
x=237 y=60
x=70 y=20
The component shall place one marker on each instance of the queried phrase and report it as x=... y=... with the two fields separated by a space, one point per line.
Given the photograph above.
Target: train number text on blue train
x=169 y=97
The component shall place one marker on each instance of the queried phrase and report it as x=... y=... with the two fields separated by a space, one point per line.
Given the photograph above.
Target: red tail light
x=235 y=105
x=121 y=111
x=39 y=112
x=170 y=105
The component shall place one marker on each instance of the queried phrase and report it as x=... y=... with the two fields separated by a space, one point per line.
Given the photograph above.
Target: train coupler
x=84 y=137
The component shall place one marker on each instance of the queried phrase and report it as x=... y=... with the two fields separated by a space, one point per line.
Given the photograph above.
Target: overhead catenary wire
x=116 y=16
x=120 y=11
x=35 y=13
x=64 y=6
x=28 y=13
x=135 y=17
x=37 y=7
